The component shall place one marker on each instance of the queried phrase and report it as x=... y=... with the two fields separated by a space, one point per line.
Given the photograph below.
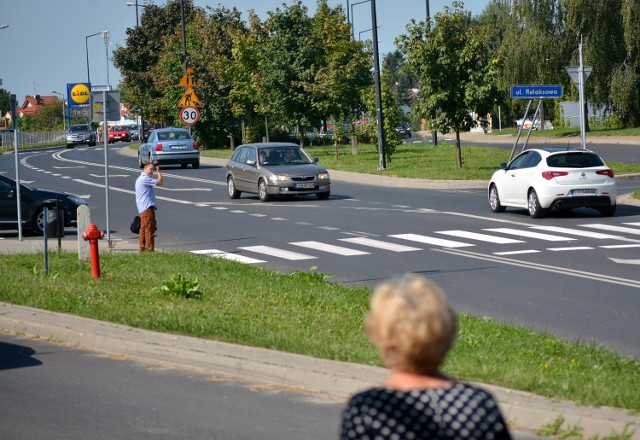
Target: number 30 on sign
x=189 y=115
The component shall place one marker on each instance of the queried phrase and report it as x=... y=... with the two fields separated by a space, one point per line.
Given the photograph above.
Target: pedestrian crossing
x=516 y=241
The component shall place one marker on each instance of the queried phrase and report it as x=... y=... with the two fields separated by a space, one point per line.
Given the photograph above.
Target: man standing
x=147 y=205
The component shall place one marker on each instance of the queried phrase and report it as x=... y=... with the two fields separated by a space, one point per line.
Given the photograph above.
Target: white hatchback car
x=554 y=178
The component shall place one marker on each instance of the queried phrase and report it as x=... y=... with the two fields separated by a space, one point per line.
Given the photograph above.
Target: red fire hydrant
x=93 y=235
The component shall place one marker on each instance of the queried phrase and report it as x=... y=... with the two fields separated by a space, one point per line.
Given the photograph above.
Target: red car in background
x=119 y=133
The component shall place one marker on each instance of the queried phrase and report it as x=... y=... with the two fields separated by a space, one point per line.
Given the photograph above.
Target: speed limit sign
x=189 y=115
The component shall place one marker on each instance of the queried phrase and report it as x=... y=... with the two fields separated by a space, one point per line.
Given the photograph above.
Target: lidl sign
x=78 y=94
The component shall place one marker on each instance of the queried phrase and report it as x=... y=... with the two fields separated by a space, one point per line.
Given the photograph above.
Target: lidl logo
x=80 y=93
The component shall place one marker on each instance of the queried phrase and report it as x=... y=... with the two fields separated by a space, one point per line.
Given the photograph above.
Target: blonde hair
x=411 y=322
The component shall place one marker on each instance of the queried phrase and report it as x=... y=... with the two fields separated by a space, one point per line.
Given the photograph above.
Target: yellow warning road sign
x=188 y=79
x=190 y=99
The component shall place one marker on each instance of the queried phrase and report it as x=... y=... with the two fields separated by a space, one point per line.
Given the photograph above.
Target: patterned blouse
x=461 y=411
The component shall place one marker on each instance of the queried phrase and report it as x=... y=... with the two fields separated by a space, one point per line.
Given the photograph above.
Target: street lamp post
x=86 y=48
x=4 y=26
x=137 y=6
x=105 y=37
x=64 y=122
x=352 y=5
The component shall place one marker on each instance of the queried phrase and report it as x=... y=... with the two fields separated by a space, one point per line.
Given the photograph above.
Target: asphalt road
x=52 y=392
x=580 y=281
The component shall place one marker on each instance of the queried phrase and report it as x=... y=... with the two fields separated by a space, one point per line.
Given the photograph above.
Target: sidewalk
x=525 y=412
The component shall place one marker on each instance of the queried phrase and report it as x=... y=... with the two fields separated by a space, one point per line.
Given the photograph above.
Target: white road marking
x=229 y=256
x=339 y=250
x=546 y=268
x=575 y=248
x=620 y=246
x=620 y=261
x=280 y=253
x=524 y=251
x=613 y=228
x=480 y=237
x=578 y=232
x=380 y=244
x=530 y=234
x=432 y=240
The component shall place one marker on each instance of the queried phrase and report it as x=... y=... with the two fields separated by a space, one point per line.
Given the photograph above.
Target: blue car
x=169 y=146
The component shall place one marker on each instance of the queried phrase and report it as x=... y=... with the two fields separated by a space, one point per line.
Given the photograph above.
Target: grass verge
x=299 y=313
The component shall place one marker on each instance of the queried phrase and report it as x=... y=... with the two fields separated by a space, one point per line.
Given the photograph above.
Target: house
x=32 y=104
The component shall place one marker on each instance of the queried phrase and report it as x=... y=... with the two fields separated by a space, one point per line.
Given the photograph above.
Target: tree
x=5 y=102
x=289 y=60
x=343 y=68
x=456 y=73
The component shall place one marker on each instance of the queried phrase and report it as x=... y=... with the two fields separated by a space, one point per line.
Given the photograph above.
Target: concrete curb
x=257 y=366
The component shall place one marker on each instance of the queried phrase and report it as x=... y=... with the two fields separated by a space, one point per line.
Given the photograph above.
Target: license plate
x=178 y=147
x=583 y=192
x=305 y=185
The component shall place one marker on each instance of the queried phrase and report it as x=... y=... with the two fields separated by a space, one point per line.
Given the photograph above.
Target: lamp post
x=86 y=48
x=105 y=37
x=136 y=5
x=64 y=122
x=352 y=5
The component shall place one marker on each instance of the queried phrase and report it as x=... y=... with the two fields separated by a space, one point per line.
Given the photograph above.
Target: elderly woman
x=412 y=324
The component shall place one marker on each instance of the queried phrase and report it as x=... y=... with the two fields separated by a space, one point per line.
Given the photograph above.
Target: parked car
x=119 y=133
x=554 y=178
x=33 y=201
x=275 y=169
x=169 y=146
x=529 y=123
x=81 y=134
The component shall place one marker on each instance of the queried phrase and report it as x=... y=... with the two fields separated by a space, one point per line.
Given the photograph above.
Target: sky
x=45 y=46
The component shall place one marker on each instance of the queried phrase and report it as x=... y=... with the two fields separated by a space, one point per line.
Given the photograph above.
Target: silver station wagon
x=275 y=169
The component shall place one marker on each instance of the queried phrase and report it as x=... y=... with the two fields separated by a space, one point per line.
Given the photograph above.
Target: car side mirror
x=252 y=163
x=503 y=166
x=316 y=160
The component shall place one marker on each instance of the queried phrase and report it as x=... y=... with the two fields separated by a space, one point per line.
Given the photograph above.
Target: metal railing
x=26 y=139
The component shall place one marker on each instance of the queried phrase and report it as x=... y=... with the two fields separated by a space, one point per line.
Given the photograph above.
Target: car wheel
x=262 y=191
x=196 y=165
x=37 y=225
x=183 y=165
x=69 y=145
x=140 y=162
x=494 y=200
x=92 y=144
x=608 y=211
x=323 y=195
x=533 y=204
x=231 y=188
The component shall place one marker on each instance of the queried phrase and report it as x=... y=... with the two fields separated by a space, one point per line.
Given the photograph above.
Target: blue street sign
x=536 y=92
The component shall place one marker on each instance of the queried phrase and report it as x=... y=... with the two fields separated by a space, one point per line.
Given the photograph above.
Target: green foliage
x=456 y=72
x=179 y=285
x=312 y=276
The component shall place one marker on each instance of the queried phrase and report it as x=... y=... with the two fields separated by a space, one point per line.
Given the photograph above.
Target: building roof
x=32 y=104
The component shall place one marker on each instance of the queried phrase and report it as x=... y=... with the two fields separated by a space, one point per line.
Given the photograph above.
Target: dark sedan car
x=275 y=168
x=33 y=202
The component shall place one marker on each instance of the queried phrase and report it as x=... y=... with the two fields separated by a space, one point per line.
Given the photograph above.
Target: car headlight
x=323 y=176
x=278 y=178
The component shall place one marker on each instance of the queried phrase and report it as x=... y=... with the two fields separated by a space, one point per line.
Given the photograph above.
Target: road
x=52 y=392
x=574 y=275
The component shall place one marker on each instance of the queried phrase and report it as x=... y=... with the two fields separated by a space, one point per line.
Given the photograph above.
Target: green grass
x=419 y=161
x=299 y=313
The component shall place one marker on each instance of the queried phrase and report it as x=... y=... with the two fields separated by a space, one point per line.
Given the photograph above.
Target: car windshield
x=76 y=128
x=574 y=160
x=119 y=128
x=283 y=156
